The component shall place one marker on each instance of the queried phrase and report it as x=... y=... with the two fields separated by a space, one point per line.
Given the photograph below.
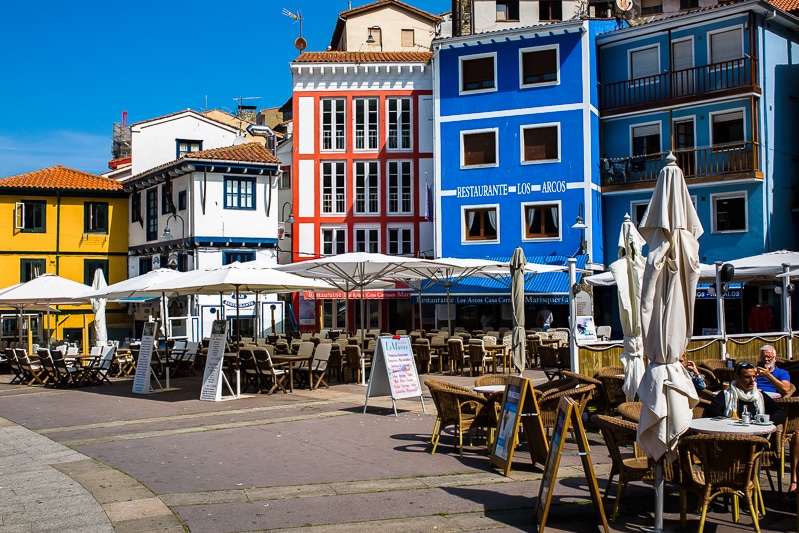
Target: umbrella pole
x=238 y=342
x=166 y=338
x=257 y=321
x=363 y=333
x=658 y=495
x=421 y=324
x=449 y=314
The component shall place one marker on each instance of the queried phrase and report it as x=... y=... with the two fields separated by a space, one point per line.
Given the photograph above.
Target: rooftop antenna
x=299 y=43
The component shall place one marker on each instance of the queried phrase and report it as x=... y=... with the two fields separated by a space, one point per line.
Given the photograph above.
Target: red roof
x=248 y=152
x=334 y=56
x=61 y=177
x=785 y=5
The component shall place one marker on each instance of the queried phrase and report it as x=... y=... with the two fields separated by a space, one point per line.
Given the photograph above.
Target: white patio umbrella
x=98 y=306
x=628 y=271
x=517 y=264
x=671 y=227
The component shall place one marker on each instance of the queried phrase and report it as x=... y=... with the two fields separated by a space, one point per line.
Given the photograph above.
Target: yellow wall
x=64 y=247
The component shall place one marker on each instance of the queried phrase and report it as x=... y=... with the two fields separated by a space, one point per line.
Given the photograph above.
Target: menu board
x=394 y=371
x=141 y=381
x=212 y=377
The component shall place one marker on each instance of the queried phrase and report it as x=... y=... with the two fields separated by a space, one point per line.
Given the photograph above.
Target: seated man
x=770 y=378
x=693 y=373
x=744 y=396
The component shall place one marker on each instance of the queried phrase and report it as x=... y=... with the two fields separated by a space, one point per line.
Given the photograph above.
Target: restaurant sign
x=730 y=294
x=375 y=294
x=484 y=299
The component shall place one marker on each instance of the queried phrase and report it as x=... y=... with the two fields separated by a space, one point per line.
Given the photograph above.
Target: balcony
x=738 y=160
x=738 y=76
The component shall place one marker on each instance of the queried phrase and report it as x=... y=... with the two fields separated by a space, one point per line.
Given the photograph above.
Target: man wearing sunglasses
x=770 y=378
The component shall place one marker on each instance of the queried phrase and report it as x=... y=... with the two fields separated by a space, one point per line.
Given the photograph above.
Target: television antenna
x=299 y=43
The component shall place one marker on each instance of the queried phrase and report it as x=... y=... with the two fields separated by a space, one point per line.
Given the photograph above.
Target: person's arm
x=781 y=385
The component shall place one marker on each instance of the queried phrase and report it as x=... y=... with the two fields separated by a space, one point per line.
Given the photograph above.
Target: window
x=29 y=216
x=241 y=257
x=367 y=240
x=507 y=10
x=333 y=124
x=550 y=11
x=366 y=123
x=186 y=147
x=540 y=143
x=334 y=196
x=539 y=66
x=689 y=4
x=334 y=241
x=285 y=178
x=399 y=124
x=145 y=265
x=729 y=212
x=31 y=268
x=406 y=38
x=239 y=193
x=167 y=203
x=727 y=128
x=638 y=210
x=182 y=200
x=90 y=266
x=95 y=217
x=650 y=7
x=726 y=45
x=135 y=207
x=646 y=139
x=644 y=63
x=542 y=221
x=478 y=73
x=151 y=211
x=399 y=241
x=399 y=187
x=366 y=187
x=479 y=148
x=480 y=224
x=334 y=314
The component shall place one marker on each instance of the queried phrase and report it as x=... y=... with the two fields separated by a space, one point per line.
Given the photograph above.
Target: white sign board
x=394 y=371
x=212 y=377
x=141 y=381
x=585 y=330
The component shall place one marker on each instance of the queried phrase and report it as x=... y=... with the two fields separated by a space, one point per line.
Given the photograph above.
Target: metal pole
x=786 y=310
x=720 y=320
x=658 y=495
x=573 y=351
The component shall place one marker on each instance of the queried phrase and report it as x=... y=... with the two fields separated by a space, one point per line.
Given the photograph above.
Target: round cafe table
x=489 y=389
x=730 y=425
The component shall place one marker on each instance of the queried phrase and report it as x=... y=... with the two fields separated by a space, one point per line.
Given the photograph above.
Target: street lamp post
x=167 y=235
x=287 y=222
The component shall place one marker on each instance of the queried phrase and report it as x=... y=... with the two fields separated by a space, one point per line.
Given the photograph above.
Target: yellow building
x=66 y=222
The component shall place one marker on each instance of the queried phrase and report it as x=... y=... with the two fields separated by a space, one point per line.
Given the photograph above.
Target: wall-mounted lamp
x=789 y=287
x=577 y=289
x=371 y=39
x=580 y=225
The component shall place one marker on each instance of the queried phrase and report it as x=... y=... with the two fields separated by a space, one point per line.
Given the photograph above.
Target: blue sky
x=69 y=69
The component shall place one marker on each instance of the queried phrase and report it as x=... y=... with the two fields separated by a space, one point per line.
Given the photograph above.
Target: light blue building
x=517 y=142
x=718 y=87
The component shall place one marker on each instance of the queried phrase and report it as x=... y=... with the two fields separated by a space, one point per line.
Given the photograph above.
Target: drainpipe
x=57 y=231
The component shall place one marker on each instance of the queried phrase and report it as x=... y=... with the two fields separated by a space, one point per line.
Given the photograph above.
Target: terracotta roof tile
x=363 y=57
x=248 y=152
x=785 y=5
x=380 y=3
x=61 y=177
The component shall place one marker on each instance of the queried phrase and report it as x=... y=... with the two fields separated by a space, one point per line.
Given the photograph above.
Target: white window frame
x=525 y=127
x=395 y=125
x=633 y=127
x=462 y=60
x=333 y=126
x=533 y=49
x=635 y=82
x=710 y=35
x=369 y=230
x=633 y=205
x=371 y=143
x=722 y=196
x=404 y=230
x=336 y=232
x=404 y=198
x=330 y=308
x=496 y=148
x=372 y=182
x=338 y=188
x=711 y=118
x=524 y=207
x=464 y=208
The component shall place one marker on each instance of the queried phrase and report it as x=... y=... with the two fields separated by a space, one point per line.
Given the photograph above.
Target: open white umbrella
x=671 y=227
x=98 y=306
x=517 y=264
x=628 y=271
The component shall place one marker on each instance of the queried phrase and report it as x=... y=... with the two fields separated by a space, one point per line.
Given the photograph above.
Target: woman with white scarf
x=743 y=396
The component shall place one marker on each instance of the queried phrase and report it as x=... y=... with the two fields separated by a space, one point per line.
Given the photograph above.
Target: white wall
x=485 y=15
x=391 y=21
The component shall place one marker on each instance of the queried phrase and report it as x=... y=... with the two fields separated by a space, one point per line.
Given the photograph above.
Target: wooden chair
x=100 y=367
x=785 y=432
x=352 y=361
x=185 y=366
x=32 y=371
x=16 y=369
x=728 y=466
x=317 y=371
x=564 y=358
x=458 y=358
x=249 y=370
x=273 y=376
x=549 y=362
x=620 y=436
x=612 y=378
x=125 y=364
x=67 y=375
x=48 y=367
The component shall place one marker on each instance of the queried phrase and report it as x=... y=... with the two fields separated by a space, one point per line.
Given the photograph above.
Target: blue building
x=718 y=87
x=517 y=142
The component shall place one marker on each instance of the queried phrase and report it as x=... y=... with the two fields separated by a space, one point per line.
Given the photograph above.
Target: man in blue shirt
x=770 y=378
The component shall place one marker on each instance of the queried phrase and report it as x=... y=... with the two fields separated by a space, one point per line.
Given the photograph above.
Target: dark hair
x=743 y=366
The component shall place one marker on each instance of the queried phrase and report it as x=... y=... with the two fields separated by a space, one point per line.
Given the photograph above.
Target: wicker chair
x=548 y=402
x=631 y=411
x=612 y=378
x=489 y=379
x=776 y=455
x=728 y=466
x=629 y=467
x=462 y=409
x=597 y=400
x=720 y=369
x=712 y=383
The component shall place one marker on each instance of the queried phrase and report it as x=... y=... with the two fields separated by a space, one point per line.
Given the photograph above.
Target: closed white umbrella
x=98 y=306
x=671 y=227
x=517 y=264
x=628 y=271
